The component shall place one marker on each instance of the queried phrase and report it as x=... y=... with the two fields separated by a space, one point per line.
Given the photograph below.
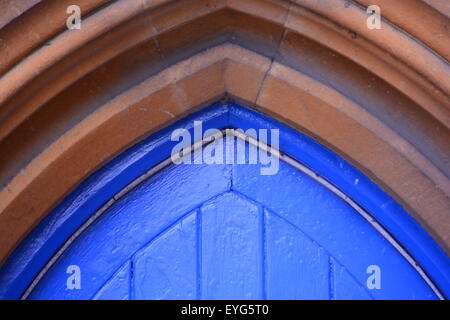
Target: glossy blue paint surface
x=225 y=231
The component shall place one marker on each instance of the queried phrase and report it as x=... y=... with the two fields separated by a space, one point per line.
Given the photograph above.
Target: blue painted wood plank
x=231 y=237
x=297 y=268
x=167 y=267
x=333 y=224
x=345 y=286
x=118 y=287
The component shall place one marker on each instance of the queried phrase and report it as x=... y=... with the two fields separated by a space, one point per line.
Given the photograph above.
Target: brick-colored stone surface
x=440 y=5
x=31 y=28
x=397 y=43
x=371 y=58
x=11 y=9
x=433 y=28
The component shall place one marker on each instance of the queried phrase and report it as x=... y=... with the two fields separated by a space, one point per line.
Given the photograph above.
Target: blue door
x=214 y=229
